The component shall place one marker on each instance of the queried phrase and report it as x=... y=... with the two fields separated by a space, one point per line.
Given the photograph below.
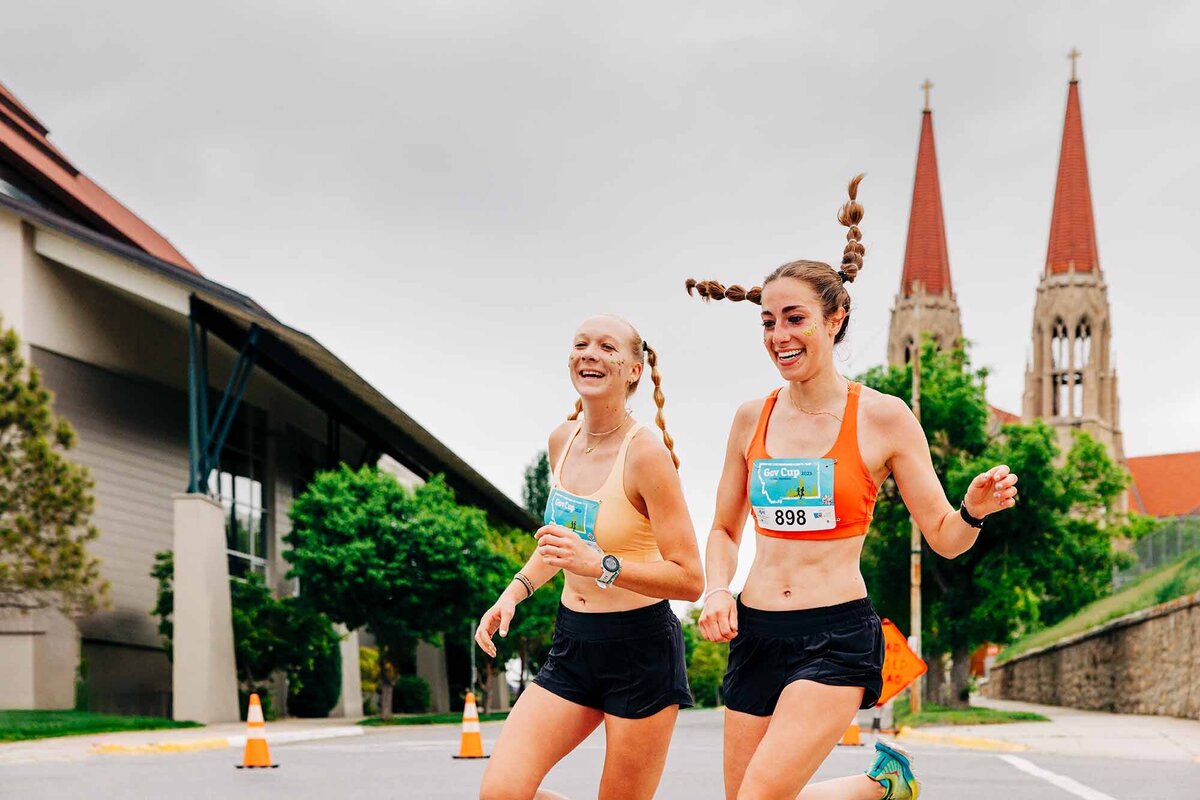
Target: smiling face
x=602 y=360
x=797 y=335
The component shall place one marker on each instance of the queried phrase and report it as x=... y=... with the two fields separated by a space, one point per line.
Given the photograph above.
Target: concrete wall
x=1144 y=663
x=39 y=653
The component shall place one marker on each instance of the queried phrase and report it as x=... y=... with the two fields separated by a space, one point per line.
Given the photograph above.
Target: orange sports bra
x=615 y=526
x=832 y=497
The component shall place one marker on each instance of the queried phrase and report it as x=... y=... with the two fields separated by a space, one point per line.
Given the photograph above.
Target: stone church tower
x=1070 y=381
x=925 y=302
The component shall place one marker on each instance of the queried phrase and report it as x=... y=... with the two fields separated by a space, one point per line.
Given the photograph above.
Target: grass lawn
x=940 y=715
x=453 y=717
x=18 y=725
x=1166 y=583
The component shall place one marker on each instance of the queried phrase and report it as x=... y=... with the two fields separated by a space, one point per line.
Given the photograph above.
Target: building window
x=240 y=484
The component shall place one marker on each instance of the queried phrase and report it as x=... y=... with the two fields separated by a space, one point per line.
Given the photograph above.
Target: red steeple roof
x=925 y=256
x=25 y=146
x=1072 y=229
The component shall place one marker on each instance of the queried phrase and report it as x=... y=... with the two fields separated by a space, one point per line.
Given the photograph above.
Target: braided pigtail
x=659 y=399
x=712 y=290
x=578 y=409
x=850 y=215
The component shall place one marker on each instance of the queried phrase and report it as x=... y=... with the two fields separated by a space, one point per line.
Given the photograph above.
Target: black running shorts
x=838 y=645
x=625 y=663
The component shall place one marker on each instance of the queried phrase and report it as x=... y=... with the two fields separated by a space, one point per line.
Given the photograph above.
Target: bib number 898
x=790 y=516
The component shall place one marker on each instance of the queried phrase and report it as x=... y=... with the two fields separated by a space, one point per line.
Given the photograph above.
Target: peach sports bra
x=604 y=517
x=831 y=497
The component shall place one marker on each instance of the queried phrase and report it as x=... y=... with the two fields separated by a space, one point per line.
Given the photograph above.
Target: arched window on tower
x=1060 y=376
x=909 y=350
x=1081 y=350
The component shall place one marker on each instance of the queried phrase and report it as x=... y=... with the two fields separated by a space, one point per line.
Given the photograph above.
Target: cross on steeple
x=927 y=86
x=1074 y=56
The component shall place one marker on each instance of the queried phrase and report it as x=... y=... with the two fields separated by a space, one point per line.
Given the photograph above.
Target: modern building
x=199 y=416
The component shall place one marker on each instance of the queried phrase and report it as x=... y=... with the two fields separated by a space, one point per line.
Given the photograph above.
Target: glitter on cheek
x=809 y=331
x=617 y=362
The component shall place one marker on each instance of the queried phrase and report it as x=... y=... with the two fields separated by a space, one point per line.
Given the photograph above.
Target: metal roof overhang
x=302 y=364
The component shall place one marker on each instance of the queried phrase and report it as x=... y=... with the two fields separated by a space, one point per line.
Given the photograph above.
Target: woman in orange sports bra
x=617 y=525
x=806 y=646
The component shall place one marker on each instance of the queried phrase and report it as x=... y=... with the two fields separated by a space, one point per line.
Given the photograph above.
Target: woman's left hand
x=991 y=491
x=560 y=547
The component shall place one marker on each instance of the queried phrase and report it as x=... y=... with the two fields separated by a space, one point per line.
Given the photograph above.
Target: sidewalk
x=181 y=740
x=1071 y=731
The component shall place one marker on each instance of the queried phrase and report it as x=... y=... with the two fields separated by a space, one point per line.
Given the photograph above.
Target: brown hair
x=829 y=284
x=644 y=352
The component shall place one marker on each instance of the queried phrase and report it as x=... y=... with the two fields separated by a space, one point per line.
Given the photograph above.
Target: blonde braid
x=659 y=399
x=578 y=409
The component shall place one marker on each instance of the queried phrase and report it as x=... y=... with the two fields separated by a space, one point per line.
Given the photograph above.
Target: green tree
x=270 y=634
x=706 y=662
x=537 y=484
x=45 y=499
x=407 y=564
x=533 y=624
x=1033 y=564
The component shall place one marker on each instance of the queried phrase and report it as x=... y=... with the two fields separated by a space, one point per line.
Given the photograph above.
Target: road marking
x=908 y=734
x=1061 y=781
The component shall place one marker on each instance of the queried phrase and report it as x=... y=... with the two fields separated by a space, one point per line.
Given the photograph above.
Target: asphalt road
x=415 y=763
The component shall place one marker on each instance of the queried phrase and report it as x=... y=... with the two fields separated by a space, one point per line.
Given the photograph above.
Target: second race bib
x=574 y=513
x=793 y=494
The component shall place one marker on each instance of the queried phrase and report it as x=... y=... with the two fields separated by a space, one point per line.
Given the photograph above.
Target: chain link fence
x=1178 y=537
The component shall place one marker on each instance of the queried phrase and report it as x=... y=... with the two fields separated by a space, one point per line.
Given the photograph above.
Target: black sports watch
x=974 y=522
x=610 y=567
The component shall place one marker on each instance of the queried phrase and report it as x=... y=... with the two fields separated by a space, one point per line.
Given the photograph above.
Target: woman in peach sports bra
x=806 y=646
x=616 y=523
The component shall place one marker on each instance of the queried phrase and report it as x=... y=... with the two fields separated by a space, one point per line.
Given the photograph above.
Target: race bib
x=574 y=513
x=793 y=494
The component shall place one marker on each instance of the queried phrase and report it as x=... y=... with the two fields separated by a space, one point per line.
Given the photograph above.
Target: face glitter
x=809 y=331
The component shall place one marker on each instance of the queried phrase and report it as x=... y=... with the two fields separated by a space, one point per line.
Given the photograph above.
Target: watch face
x=610 y=563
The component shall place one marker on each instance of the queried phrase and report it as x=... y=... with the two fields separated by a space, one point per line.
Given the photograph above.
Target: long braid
x=714 y=290
x=850 y=215
x=659 y=400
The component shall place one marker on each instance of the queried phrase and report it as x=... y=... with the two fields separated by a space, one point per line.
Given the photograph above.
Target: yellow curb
x=966 y=742
x=159 y=747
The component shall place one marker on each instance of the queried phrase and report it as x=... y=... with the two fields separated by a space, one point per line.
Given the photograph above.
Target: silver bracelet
x=711 y=592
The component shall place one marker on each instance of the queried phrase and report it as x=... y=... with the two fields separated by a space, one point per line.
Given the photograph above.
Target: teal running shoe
x=893 y=770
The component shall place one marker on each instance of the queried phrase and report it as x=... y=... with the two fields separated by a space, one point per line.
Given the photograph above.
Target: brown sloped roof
x=1165 y=485
x=1072 y=227
x=1005 y=417
x=926 y=258
x=24 y=144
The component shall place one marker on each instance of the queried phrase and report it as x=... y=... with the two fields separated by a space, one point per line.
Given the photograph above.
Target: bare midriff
x=791 y=574
x=582 y=594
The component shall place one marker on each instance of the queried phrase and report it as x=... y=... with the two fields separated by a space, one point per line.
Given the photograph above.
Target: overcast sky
x=440 y=191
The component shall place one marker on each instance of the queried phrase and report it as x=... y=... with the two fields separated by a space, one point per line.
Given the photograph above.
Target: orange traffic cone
x=472 y=742
x=256 y=753
x=852 y=736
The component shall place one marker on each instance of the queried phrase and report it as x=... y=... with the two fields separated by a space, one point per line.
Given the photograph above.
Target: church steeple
x=925 y=302
x=1072 y=228
x=926 y=258
x=1071 y=382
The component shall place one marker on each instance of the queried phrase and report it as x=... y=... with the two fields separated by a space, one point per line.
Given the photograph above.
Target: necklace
x=605 y=435
x=803 y=410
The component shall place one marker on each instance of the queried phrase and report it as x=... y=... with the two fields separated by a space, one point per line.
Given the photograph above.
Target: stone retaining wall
x=1144 y=663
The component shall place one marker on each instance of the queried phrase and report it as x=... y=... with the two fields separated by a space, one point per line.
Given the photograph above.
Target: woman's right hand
x=718 y=621
x=496 y=618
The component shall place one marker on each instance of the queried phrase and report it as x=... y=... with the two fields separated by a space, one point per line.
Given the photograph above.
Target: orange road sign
x=901 y=666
